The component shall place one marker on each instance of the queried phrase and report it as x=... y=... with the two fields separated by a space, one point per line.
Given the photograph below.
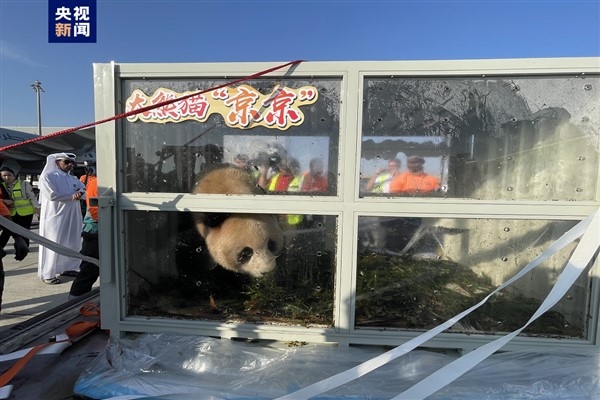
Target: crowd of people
x=285 y=175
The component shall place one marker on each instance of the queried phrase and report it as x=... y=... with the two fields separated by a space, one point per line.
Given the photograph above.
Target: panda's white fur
x=246 y=243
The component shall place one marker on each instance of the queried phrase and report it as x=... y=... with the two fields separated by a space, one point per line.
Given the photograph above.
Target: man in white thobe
x=60 y=216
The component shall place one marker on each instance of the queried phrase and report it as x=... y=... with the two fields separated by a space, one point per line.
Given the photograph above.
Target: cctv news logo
x=71 y=21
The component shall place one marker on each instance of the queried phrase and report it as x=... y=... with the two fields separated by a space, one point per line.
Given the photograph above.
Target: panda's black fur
x=198 y=274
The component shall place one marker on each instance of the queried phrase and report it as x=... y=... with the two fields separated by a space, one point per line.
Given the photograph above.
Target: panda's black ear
x=212 y=220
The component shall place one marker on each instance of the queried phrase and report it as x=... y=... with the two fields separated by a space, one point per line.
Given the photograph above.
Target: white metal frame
x=347 y=205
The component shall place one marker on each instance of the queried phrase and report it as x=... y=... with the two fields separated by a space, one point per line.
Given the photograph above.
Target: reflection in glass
x=416 y=273
x=168 y=156
x=395 y=173
x=494 y=138
x=177 y=278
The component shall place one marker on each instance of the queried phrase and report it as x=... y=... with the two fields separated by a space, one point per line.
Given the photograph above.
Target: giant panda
x=245 y=243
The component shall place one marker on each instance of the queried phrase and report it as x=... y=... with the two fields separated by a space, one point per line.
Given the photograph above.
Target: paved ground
x=26 y=296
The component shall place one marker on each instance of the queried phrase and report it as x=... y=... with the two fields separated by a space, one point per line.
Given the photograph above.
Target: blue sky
x=274 y=31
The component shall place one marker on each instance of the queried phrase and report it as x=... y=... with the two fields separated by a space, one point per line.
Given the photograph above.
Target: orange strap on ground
x=73 y=331
x=14 y=370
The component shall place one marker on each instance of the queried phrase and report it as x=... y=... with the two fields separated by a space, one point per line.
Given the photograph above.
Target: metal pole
x=37 y=86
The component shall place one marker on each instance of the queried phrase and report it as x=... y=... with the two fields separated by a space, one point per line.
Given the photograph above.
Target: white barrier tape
x=57 y=248
x=5 y=391
x=376 y=362
x=586 y=248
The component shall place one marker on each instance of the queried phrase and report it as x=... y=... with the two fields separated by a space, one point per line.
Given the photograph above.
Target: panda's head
x=246 y=243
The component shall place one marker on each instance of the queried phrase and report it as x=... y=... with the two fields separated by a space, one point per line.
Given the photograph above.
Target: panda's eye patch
x=245 y=255
x=272 y=246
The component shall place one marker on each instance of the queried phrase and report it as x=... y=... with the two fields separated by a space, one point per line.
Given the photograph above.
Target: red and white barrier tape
x=153 y=106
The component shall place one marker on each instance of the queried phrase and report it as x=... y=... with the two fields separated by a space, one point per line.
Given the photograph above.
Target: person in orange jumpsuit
x=415 y=180
x=314 y=180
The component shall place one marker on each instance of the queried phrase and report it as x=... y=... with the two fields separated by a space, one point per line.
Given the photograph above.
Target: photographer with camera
x=287 y=177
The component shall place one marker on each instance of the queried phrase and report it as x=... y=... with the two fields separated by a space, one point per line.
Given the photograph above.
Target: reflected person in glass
x=380 y=181
x=286 y=179
x=415 y=180
x=314 y=180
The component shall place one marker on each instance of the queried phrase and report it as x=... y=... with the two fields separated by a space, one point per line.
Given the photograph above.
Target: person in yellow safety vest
x=22 y=202
x=287 y=174
x=296 y=182
x=294 y=187
x=380 y=181
x=287 y=179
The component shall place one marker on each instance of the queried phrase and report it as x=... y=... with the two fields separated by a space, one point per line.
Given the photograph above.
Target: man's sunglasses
x=68 y=162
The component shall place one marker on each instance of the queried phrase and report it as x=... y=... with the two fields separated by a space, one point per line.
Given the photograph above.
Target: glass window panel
x=170 y=274
x=416 y=273
x=521 y=138
x=165 y=154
